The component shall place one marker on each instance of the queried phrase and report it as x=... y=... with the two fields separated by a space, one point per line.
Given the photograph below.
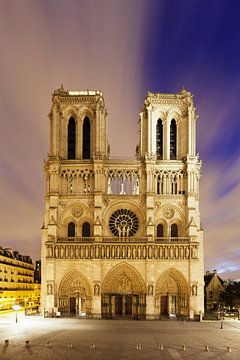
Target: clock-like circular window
x=123 y=222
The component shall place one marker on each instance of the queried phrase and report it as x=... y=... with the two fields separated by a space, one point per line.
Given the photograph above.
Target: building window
x=160 y=230
x=159 y=140
x=86 y=138
x=173 y=140
x=71 y=229
x=71 y=139
x=174 y=230
x=86 y=230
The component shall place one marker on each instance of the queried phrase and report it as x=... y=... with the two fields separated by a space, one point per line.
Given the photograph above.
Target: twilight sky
x=123 y=48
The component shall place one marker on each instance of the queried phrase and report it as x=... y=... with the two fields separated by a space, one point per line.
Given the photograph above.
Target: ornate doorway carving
x=172 y=294
x=123 y=293
x=74 y=295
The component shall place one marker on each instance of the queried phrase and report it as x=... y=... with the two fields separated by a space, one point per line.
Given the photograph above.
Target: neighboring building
x=37 y=272
x=122 y=237
x=214 y=290
x=16 y=279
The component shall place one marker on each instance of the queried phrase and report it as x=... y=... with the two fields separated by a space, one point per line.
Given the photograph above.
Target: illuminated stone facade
x=16 y=279
x=120 y=237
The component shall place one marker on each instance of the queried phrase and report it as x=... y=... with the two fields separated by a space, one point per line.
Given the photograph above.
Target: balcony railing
x=115 y=239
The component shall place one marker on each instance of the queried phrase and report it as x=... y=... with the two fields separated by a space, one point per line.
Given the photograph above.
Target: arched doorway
x=74 y=295
x=123 y=293
x=172 y=294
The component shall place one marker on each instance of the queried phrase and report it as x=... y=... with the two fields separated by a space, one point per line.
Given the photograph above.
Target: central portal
x=122 y=306
x=123 y=293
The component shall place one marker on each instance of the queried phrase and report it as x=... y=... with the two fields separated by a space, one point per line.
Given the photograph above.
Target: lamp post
x=16 y=307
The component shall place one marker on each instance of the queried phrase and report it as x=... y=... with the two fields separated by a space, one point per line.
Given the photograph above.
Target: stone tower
x=122 y=238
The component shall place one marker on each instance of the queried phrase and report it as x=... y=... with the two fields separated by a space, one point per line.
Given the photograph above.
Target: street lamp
x=16 y=307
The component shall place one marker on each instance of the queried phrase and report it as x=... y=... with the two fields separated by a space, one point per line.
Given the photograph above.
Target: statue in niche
x=194 y=290
x=150 y=289
x=97 y=289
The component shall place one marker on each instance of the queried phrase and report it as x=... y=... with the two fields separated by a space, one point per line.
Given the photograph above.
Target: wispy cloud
x=87 y=44
x=220 y=216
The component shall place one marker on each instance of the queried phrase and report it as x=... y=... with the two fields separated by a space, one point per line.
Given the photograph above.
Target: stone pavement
x=116 y=339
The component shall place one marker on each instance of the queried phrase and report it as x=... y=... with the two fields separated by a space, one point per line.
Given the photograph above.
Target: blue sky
x=124 y=48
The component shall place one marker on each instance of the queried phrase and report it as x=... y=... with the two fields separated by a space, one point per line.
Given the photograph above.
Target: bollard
x=6 y=342
x=206 y=348
x=48 y=344
x=221 y=325
x=92 y=346
x=229 y=349
x=70 y=344
x=27 y=342
x=160 y=347
x=183 y=347
x=139 y=347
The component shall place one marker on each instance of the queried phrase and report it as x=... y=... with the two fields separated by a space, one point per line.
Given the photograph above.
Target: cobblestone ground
x=116 y=339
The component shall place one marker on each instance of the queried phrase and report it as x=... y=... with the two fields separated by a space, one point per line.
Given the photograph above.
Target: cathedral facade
x=122 y=238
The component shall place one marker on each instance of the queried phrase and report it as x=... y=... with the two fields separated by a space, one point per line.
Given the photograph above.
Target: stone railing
x=119 y=248
x=115 y=239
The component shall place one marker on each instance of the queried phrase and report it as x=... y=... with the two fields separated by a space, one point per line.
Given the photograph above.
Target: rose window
x=123 y=222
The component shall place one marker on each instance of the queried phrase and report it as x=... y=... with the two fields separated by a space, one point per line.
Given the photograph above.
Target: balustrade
x=124 y=248
x=169 y=182
x=123 y=181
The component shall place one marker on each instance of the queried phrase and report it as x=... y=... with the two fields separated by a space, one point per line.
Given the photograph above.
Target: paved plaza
x=63 y=338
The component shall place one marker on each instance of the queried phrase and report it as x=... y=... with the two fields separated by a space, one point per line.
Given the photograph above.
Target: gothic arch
x=73 y=282
x=178 y=213
x=85 y=112
x=126 y=204
x=159 y=115
x=174 y=114
x=123 y=278
x=67 y=214
x=172 y=280
x=70 y=112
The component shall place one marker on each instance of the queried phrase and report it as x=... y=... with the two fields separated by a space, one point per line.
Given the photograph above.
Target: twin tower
x=122 y=238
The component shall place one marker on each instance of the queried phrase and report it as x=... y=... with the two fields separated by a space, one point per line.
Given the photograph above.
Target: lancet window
x=71 y=139
x=160 y=230
x=174 y=230
x=86 y=138
x=159 y=140
x=71 y=229
x=173 y=140
x=86 y=229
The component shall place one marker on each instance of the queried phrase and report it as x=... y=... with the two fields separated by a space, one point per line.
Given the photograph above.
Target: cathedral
x=122 y=238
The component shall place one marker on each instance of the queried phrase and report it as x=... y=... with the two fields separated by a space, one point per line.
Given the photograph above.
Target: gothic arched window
x=71 y=229
x=86 y=230
x=71 y=139
x=86 y=138
x=173 y=140
x=159 y=139
x=160 y=230
x=174 y=230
